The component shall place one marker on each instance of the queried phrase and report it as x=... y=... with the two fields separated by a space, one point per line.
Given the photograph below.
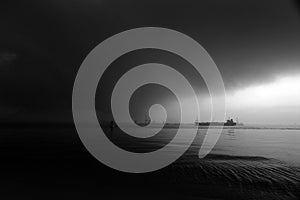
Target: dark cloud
x=297 y=3
x=44 y=43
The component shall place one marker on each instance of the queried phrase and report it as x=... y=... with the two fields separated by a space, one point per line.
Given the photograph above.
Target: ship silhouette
x=229 y=122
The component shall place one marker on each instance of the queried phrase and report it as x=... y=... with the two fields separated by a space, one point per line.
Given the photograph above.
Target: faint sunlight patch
x=284 y=91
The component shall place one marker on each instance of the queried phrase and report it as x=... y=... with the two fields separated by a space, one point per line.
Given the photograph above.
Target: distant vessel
x=229 y=122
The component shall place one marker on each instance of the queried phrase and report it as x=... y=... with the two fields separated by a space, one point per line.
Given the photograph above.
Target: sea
x=247 y=162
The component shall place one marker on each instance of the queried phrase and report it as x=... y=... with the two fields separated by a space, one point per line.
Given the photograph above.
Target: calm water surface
x=275 y=143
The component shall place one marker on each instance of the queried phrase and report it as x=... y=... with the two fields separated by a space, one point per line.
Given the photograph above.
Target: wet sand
x=53 y=163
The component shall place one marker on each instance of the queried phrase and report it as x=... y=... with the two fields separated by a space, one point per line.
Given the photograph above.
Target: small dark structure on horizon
x=229 y=122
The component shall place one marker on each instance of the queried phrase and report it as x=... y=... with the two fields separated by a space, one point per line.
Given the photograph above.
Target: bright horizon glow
x=284 y=91
x=277 y=102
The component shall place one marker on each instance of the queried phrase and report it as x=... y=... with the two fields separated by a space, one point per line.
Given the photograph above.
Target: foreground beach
x=39 y=163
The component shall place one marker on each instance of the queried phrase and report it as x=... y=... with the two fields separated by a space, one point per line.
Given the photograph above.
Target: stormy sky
x=255 y=44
